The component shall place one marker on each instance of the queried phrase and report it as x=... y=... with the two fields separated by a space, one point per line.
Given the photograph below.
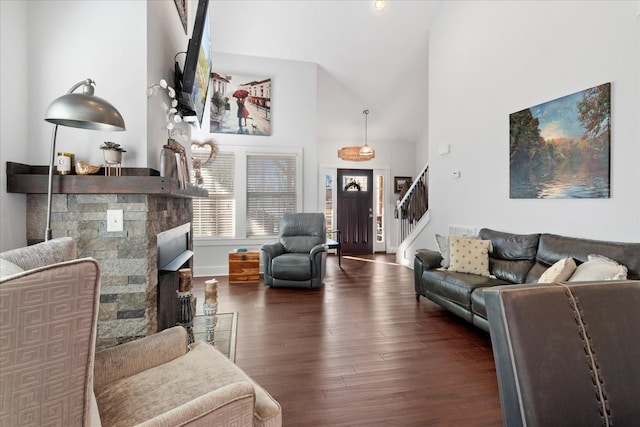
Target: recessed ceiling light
x=379 y=4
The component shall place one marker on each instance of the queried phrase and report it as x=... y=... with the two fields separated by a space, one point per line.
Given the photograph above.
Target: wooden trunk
x=244 y=267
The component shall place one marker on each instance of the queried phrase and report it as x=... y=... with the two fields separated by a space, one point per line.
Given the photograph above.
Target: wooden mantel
x=27 y=179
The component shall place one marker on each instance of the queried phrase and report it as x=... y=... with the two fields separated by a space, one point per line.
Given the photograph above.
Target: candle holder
x=210 y=321
x=210 y=310
x=185 y=313
x=185 y=301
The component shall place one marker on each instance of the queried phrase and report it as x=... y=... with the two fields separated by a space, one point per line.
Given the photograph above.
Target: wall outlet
x=115 y=220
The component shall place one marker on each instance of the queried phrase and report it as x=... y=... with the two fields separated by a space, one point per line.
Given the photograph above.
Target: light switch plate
x=115 y=220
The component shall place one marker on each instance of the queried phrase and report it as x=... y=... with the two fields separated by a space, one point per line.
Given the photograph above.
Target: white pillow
x=469 y=255
x=599 y=267
x=558 y=272
x=8 y=268
x=443 y=246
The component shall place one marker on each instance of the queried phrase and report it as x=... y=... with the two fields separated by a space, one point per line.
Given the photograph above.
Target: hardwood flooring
x=361 y=351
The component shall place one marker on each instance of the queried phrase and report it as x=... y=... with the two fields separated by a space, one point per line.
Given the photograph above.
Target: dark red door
x=355 y=210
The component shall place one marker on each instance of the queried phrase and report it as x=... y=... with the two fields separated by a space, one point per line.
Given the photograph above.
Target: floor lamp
x=78 y=110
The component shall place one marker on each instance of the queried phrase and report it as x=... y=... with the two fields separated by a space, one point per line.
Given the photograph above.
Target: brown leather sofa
x=567 y=353
x=515 y=259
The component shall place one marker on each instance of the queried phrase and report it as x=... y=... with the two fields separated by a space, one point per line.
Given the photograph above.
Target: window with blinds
x=271 y=191
x=215 y=215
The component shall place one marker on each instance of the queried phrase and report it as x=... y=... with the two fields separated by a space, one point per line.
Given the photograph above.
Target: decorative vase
x=112 y=156
x=168 y=165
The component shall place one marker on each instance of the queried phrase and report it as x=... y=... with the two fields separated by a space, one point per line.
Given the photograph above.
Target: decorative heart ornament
x=198 y=149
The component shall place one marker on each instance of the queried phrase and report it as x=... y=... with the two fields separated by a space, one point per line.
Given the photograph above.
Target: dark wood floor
x=361 y=351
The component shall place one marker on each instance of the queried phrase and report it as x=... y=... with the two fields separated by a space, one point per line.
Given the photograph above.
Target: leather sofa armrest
x=269 y=252
x=427 y=259
x=273 y=249
x=128 y=359
x=318 y=249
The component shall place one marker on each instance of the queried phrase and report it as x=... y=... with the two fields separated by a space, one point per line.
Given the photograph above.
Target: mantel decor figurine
x=173 y=159
x=173 y=117
x=112 y=158
x=202 y=153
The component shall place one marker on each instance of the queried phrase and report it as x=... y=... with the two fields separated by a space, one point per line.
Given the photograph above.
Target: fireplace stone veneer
x=128 y=259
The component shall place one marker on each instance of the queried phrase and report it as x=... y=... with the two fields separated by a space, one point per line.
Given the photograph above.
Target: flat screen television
x=192 y=83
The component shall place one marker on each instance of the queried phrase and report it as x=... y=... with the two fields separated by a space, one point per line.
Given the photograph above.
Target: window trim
x=241 y=153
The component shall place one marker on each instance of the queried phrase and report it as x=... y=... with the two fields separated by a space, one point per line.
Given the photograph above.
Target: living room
x=485 y=61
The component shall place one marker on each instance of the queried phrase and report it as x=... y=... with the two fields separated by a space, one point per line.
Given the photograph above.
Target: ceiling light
x=366 y=151
x=358 y=153
x=379 y=5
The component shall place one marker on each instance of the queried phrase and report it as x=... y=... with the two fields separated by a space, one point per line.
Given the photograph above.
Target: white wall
x=489 y=59
x=14 y=127
x=102 y=40
x=293 y=126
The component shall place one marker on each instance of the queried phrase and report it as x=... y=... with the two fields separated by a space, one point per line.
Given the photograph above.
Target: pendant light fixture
x=358 y=153
x=367 y=152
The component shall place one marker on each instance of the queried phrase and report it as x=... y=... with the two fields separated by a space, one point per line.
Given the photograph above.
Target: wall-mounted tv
x=192 y=83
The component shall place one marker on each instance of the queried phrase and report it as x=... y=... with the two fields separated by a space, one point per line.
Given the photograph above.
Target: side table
x=244 y=267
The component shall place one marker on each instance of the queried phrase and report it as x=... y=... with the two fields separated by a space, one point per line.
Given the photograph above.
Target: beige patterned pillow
x=558 y=272
x=469 y=255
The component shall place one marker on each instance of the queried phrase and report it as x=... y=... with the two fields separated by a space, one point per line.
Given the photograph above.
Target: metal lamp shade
x=78 y=110
x=84 y=111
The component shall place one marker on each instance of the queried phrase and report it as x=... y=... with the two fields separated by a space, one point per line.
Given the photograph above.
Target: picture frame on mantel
x=183 y=6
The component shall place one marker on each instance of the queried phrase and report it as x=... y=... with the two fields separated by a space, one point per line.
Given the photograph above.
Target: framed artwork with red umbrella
x=240 y=104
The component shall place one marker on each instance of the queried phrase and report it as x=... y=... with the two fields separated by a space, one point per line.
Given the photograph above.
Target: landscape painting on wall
x=560 y=149
x=240 y=104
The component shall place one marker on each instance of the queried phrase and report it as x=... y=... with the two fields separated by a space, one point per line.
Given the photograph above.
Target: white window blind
x=215 y=216
x=271 y=191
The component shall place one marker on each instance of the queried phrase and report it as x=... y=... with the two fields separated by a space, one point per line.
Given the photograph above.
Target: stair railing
x=413 y=205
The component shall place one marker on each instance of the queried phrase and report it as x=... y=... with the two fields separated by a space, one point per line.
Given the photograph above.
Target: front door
x=355 y=210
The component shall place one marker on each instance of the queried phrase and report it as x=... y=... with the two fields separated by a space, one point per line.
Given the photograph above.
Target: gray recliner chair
x=567 y=353
x=298 y=259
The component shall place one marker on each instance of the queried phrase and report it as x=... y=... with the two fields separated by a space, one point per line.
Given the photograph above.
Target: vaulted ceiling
x=379 y=60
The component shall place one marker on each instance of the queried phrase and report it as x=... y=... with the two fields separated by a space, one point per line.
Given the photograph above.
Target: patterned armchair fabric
x=298 y=259
x=48 y=320
x=51 y=375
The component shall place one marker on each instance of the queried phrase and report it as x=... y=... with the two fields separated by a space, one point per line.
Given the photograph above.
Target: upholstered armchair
x=299 y=258
x=48 y=313
x=50 y=373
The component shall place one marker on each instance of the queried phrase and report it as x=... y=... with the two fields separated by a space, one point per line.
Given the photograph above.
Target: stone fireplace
x=128 y=259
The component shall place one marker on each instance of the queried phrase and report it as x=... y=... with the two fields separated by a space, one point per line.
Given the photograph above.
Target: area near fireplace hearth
x=128 y=259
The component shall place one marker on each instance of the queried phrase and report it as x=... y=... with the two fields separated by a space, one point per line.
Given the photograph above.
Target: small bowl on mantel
x=83 y=168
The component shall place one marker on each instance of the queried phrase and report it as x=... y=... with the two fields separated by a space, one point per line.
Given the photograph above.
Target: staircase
x=411 y=214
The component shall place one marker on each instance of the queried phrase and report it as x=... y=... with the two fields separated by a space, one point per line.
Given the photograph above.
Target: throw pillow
x=599 y=267
x=8 y=268
x=558 y=272
x=469 y=255
x=443 y=246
